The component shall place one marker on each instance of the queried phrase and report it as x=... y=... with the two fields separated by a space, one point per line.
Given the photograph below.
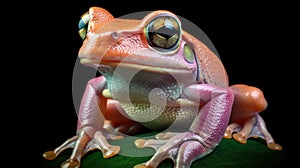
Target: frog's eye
x=83 y=25
x=163 y=33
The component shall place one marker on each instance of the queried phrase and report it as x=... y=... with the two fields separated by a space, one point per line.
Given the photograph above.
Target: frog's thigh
x=248 y=101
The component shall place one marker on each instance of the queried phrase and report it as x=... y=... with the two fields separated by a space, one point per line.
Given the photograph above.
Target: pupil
x=166 y=32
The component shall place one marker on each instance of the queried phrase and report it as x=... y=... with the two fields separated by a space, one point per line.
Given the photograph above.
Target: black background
x=254 y=40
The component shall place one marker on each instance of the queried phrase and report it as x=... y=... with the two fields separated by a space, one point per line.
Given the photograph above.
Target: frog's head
x=154 y=43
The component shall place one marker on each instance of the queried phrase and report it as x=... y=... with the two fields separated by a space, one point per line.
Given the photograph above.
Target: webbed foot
x=252 y=127
x=182 y=148
x=87 y=139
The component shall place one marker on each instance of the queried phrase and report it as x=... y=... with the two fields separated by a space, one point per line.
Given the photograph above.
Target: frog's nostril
x=115 y=35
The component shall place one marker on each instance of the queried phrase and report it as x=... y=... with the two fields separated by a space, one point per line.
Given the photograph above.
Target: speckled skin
x=183 y=89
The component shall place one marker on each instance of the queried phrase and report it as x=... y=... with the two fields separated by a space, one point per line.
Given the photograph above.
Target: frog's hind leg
x=245 y=121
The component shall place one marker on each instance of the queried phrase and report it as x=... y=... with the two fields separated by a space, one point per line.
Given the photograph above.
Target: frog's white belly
x=160 y=118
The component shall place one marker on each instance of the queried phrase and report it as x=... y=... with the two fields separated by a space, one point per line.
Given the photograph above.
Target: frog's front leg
x=245 y=122
x=204 y=134
x=91 y=131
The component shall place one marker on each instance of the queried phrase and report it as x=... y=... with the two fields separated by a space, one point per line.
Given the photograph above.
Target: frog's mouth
x=147 y=68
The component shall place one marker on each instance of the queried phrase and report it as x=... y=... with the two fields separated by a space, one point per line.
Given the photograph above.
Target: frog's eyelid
x=83 y=25
x=158 y=13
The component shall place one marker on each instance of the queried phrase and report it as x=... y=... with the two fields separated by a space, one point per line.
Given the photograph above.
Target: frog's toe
x=240 y=138
x=274 y=146
x=111 y=151
x=151 y=143
x=165 y=135
x=228 y=134
x=49 y=155
x=70 y=164
x=140 y=143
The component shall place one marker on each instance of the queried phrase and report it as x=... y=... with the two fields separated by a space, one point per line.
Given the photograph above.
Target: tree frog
x=157 y=76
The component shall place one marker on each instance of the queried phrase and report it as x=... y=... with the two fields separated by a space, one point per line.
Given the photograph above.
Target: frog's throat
x=157 y=119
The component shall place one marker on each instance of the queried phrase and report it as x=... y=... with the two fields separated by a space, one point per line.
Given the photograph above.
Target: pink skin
x=204 y=84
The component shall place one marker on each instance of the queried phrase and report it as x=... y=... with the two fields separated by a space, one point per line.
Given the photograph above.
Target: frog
x=156 y=76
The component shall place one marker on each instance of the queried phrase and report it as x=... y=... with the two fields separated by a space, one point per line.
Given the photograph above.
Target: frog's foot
x=182 y=148
x=86 y=140
x=252 y=127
